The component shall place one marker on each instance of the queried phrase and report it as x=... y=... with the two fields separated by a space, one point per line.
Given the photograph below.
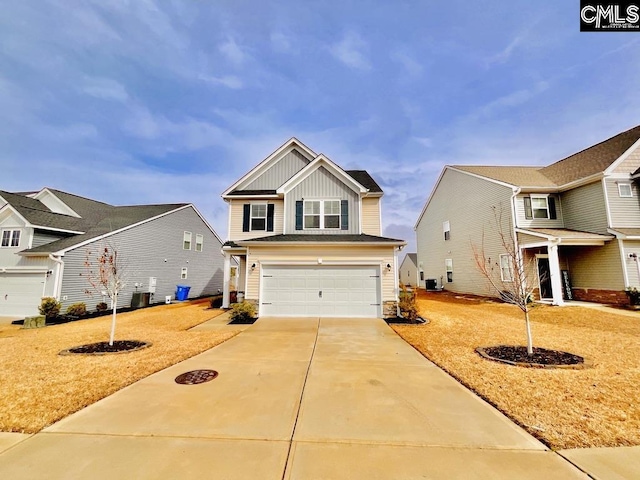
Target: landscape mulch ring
x=39 y=386
x=564 y=408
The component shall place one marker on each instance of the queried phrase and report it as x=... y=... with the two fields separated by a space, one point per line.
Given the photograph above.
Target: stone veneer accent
x=390 y=309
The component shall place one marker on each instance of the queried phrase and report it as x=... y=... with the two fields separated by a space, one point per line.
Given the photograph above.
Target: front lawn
x=593 y=407
x=39 y=387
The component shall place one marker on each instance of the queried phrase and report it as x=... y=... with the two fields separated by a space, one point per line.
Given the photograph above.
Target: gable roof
x=358 y=179
x=412 y=257
x=97 y=218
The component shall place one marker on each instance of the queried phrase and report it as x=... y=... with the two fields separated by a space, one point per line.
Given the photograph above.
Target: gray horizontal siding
x=323 y=185
x=42 y=238
x=280 y=172
x=625 y=211
x=153 y=249
x=585 y=209
x=466 y=202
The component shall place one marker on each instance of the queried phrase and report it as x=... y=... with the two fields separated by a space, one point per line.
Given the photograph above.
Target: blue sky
x=146 y=101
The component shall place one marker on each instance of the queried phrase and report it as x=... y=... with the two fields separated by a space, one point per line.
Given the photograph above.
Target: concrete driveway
x=294 y=399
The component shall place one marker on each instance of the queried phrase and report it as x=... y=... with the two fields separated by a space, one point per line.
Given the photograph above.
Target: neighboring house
x=307 y=236
x=408 y=272
x=577 y=219
x=46 y=236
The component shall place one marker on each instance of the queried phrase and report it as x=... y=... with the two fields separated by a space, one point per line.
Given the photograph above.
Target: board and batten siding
x=631 y=163
x=236 y=212
x=466 y=203
x=524 y=222
x=330 y=255
x=279 y=172
x=624 y=211
x=322 y=185
x=595 y=267
x=371 y=216
x=585 y=209
x=153 y=249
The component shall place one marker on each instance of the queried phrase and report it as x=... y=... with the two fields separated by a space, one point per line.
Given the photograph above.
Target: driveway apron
x=295 y=398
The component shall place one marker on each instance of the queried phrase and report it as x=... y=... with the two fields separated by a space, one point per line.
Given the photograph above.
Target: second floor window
x=186 y=241
x=624 y=190
x=540 y=206
x=258 y=216
x=321 y=214
x=446 y=228
x=199 y=242
x=11 y=238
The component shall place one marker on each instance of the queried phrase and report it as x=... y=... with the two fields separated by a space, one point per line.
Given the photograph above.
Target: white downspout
x=396 y=283
x=57 y=285
x=226 y=277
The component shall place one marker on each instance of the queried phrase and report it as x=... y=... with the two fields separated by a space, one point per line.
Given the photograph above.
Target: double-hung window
x=448 y=264
x=506 y=268
x=258 y=216
x=322 y=214
x=199 y=242
x=10 y=238
x=540 y=206
x=186 y=241
x=446 y=228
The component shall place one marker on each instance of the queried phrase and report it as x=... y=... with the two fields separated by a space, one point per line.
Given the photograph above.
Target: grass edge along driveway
x=40 y=387
x=593 y=407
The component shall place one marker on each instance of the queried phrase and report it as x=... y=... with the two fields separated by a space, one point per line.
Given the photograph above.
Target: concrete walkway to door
x=294 y=399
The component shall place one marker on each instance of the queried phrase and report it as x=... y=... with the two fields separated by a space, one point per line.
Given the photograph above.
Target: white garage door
x=321 y=291
x=20 y=293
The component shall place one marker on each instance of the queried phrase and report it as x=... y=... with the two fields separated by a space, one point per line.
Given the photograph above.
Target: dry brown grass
x=39 y=387
x=594 y=407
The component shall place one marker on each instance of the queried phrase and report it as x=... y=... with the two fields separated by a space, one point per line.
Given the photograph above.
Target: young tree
x=105 y=272
x=511 y=275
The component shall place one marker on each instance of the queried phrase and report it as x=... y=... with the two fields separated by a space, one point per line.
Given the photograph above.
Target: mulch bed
x=400 y=320
x=243 y=321
x=102 y=348
x=541 y=357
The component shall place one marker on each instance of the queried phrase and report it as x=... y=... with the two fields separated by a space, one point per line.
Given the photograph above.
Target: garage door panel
x=20 y=294
x=347 y=291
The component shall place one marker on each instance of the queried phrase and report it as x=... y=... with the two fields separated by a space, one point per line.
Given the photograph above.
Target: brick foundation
x=615 y=297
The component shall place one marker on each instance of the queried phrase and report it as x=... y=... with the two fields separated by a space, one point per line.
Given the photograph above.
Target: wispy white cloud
x=283 y=43
x=411 y=66
x=229 y=81
x=105 y=88
x=352 y=51
x=234 y=52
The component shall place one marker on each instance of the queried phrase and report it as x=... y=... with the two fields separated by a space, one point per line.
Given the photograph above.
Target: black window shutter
x=298 y=214
x=528 y=213
x=344 y=215
x=245 y=217
x=270 y=217
x=552 y=208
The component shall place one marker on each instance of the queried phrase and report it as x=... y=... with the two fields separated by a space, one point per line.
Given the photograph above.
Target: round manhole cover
x=196 y=376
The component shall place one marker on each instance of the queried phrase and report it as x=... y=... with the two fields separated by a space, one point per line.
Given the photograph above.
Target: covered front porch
x=558 y=257
x=234 y=256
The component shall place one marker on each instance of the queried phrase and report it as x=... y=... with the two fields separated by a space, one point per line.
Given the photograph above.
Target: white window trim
x=448 y=267
x=251 y=216
x=321 y=214
x=183 y=273
x=199 y=242
x=12 y=232
x=186 y=237
x=626 y=185
x=508 y=267
x=446 y=229
x=533 y=209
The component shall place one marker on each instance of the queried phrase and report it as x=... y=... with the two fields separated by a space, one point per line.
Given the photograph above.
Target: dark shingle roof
x=253 y=192
x=346 y=238
x=97 y=218
x=364 y=179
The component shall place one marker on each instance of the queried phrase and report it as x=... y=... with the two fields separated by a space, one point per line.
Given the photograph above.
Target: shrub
x=215 y=302
x=50 y=307
x=407 y=304
x=634 y=295
x=77 y=309
x=242 y=311
x=102 y=307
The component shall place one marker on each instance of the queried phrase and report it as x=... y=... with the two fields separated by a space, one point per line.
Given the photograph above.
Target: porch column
x=226 y=279
x=556 y=279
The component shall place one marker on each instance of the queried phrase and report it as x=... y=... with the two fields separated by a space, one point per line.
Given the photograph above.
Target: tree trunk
x=114 y=306
x=529 y=338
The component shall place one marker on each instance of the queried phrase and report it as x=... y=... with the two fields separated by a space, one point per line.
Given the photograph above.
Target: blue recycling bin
x=182 y=292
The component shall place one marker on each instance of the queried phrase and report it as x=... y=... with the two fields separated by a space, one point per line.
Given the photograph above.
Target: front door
x=544 y=277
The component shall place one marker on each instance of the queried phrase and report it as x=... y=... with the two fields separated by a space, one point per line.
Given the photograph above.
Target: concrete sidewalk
x=294 y=399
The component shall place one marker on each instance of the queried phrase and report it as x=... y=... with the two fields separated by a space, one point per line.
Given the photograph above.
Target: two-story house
x=577 y=220
x=47 y=237
x=307 y=235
